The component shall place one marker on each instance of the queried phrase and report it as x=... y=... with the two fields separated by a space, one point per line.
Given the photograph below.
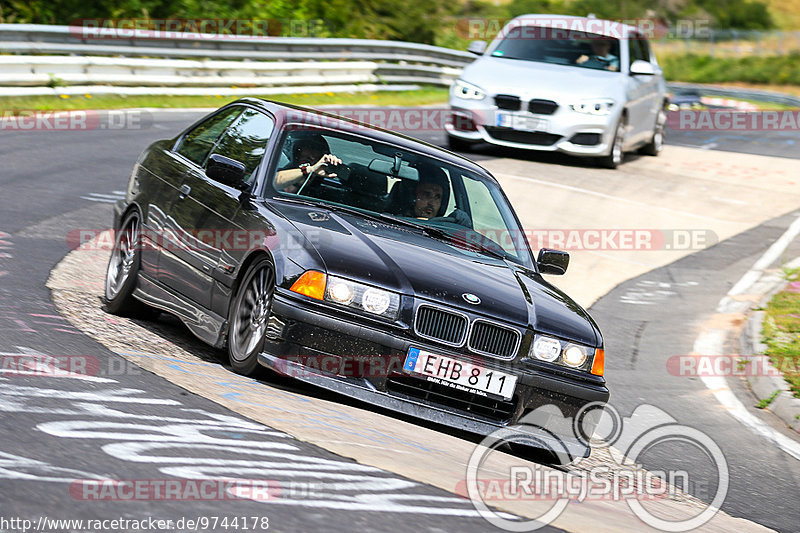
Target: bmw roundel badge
x=471 y=298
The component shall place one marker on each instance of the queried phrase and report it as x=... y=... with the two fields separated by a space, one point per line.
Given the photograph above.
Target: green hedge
x=777 y=70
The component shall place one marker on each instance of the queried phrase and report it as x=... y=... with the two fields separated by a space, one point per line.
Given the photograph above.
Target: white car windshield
x=560 y=47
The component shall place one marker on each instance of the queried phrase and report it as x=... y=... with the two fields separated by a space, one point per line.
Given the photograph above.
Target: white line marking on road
x=98 y=200
x=608 y=196
x=769 y=257
x=712 y=342
x=728 y=200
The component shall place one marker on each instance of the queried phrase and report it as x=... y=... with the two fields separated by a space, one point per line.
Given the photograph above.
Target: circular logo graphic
x=471 y=298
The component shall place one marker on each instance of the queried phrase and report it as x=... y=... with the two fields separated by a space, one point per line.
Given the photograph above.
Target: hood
x=530 y=79
x=414 y=264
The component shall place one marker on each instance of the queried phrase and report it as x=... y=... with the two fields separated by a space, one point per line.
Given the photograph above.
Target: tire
x=123 y=270
x=248 y=315
x=457 y=144
x=616 y=155
x=656 y=143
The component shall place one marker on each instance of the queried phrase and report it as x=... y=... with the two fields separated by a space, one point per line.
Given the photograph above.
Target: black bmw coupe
x=359 y=260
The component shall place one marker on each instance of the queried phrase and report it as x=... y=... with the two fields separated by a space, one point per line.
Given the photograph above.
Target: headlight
x=546 y=348
x=341 y=291
x=575 y=355
x=467 y=91
x=362 y=297
x=594 y=106
x=562 y=352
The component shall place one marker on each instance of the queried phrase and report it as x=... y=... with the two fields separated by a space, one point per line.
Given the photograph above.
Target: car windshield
x=376 y=180
x=560 y=47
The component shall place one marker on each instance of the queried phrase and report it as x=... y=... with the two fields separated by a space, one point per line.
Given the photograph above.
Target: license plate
x=460 y=375
x=521 y=122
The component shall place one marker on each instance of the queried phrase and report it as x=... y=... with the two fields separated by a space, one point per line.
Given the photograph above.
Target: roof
x=288 y=113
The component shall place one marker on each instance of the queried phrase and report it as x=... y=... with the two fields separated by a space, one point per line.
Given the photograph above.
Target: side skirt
x=209 y=327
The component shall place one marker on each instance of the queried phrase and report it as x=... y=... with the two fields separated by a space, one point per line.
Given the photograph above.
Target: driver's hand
x=582 y=59
x=319 y=167
x=457 y=217
x=461 y=218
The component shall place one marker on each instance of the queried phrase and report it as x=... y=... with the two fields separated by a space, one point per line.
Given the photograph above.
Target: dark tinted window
x=636 y=51
x=246 y=140
x=645 y=48
x=196 y=144
x=560 y=47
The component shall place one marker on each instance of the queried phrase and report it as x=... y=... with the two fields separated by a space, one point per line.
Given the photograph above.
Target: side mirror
x=642 y=68
x=477 y=47
x=226 y=171
x=552 y=261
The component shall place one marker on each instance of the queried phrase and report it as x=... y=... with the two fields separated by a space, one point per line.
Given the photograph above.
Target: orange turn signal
x=311 y=284
x=599 y=363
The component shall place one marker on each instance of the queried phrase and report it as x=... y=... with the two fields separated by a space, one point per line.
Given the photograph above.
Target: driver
x=601 y=56
x=431 y=196
x=311 y=158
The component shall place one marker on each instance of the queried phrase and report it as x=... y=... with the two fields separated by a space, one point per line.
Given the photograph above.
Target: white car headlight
x=467 y=91
x=362 y=297
x=546 y=348
x=575 y=355
x=595 y=106
x=558 y=351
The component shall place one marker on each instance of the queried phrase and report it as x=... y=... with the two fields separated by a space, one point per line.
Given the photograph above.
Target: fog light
x=574 y=356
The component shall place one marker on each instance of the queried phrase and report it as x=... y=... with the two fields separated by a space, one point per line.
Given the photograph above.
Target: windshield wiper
x=447 y=236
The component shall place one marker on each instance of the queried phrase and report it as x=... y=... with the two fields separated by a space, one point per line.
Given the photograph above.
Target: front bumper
x=564 y=131
x=299 y=330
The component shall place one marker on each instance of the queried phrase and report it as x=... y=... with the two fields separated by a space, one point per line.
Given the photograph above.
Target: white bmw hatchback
x=582 y=86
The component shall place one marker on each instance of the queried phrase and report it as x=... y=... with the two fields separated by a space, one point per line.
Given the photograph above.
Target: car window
x=486 y=218
x=196 y=145
x=636 y=51
x=379 y=179
x=645 y=44
x=246 y=139
x=560 y=47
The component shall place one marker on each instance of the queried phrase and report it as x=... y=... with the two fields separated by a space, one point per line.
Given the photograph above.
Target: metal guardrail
x=41 y=56
x=69 y=60
x=736 y=92
x=44 y=39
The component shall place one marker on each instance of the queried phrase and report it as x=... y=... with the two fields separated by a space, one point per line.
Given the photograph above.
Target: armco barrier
x=179 y=63
x=42 y=59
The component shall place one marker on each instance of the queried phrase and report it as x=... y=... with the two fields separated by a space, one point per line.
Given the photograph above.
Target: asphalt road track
x=52 y=182
x=59 y=430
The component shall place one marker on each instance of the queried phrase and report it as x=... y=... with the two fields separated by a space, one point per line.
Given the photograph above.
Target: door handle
x=185 y=190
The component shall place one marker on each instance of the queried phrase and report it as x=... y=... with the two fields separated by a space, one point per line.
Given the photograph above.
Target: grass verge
x=423 y=96
x=782 y=331
x=772 y=70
